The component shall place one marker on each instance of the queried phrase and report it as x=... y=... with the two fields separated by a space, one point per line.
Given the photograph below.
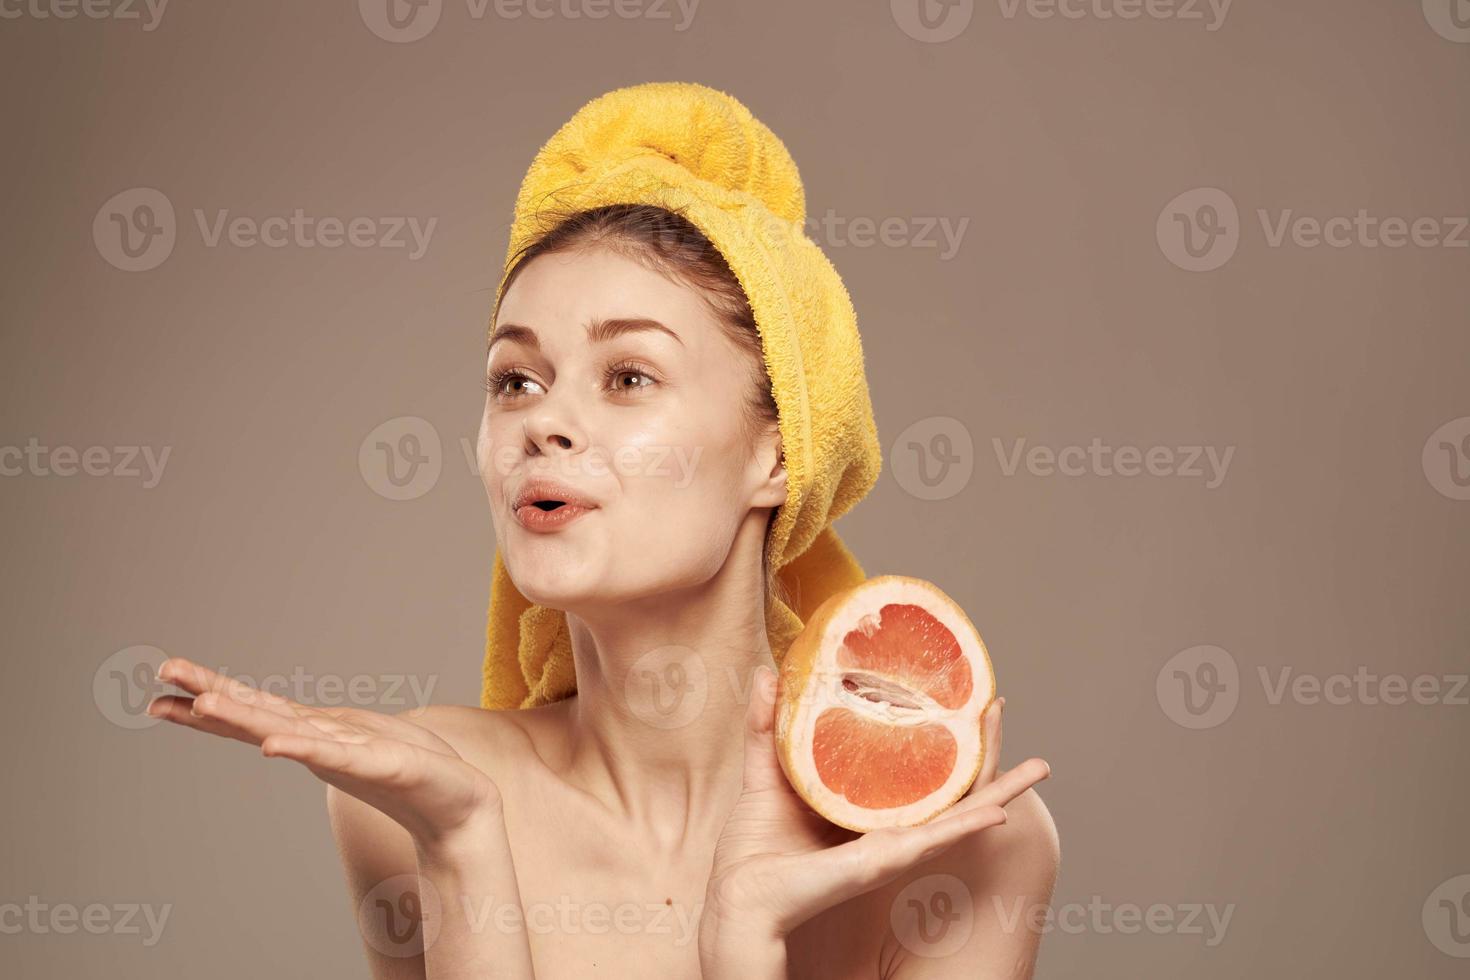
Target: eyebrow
x=597 y=331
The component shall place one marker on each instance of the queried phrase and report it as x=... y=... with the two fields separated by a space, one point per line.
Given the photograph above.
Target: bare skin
x=586 y=836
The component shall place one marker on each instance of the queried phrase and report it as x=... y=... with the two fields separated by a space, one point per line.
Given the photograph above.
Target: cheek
x=683 y=483
x=494 y=452
x=682 y=451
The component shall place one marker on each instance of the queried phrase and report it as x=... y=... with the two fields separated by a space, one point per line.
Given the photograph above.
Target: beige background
x=265 y=548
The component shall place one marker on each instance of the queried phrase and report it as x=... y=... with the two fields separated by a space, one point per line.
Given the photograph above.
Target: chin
x=548 y=576
x=550 y=596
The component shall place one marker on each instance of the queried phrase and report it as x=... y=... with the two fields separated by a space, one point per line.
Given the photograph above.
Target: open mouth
x=545 y=515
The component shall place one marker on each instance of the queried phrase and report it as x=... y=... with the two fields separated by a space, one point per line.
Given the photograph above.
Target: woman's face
x=620 y=385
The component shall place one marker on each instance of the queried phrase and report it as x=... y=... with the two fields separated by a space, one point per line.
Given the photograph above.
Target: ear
x=770 y=466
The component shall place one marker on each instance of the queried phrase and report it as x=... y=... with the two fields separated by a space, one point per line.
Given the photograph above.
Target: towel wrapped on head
x=698 y=151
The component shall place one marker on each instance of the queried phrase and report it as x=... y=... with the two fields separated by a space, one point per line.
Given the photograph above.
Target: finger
x=950 y=828
x=762 y=768
x=318 y=752
x=1007 y=786
x=378 y=762
x=172 y=708
x=255 y=723
x=990 y=764
x=198 y=679
x=832 y=876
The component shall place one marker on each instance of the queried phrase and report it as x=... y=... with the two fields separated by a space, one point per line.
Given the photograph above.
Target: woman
x=647 y=387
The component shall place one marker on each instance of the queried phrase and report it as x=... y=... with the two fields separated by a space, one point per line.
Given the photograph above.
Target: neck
x=656 y=729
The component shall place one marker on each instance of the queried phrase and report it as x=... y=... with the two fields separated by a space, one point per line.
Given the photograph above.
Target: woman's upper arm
x=379 y=856
x=382 y=881
x=997 y=885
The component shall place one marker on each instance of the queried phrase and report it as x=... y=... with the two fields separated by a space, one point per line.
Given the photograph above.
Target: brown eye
x=496 y=383
x=625 y=378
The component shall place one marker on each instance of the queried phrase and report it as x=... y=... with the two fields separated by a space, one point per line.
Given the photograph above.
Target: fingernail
x=194 y=707
x=1002 y=702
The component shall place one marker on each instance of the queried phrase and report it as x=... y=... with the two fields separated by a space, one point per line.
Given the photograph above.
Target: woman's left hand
x=778 y=863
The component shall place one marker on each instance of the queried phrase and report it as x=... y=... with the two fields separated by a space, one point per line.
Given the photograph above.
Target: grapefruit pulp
x=879 y=705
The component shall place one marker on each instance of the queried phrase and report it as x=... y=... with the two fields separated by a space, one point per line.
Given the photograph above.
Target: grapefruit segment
x=905 y=642
x=879 y=705
x=852 y=752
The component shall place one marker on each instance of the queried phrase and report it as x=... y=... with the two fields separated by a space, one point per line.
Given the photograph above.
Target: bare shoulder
x=373 y=847
x=1025 y=850
x=502 y=744
x=996 y=882
x=489 y=740
x=379 y=856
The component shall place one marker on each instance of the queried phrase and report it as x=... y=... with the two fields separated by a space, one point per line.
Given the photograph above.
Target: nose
x=552 y=428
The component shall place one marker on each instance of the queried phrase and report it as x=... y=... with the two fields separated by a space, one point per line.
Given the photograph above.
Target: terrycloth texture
x=684 y=145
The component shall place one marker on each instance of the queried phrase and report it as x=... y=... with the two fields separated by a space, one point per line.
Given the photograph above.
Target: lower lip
x=533 y=518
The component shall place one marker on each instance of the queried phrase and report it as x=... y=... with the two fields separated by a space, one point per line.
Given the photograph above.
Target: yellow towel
x=684 y=145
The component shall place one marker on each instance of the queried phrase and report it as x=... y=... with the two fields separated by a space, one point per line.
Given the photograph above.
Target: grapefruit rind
x=810 y=682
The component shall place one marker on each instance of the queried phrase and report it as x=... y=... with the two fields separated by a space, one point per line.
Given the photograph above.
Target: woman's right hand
x=402 y=769
x=450 y=808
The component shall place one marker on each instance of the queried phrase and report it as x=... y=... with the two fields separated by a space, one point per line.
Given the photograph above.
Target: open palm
x=402 y=769
x=780 y=863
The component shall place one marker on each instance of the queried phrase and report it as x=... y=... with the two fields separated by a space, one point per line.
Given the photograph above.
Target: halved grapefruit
x=879 y=705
